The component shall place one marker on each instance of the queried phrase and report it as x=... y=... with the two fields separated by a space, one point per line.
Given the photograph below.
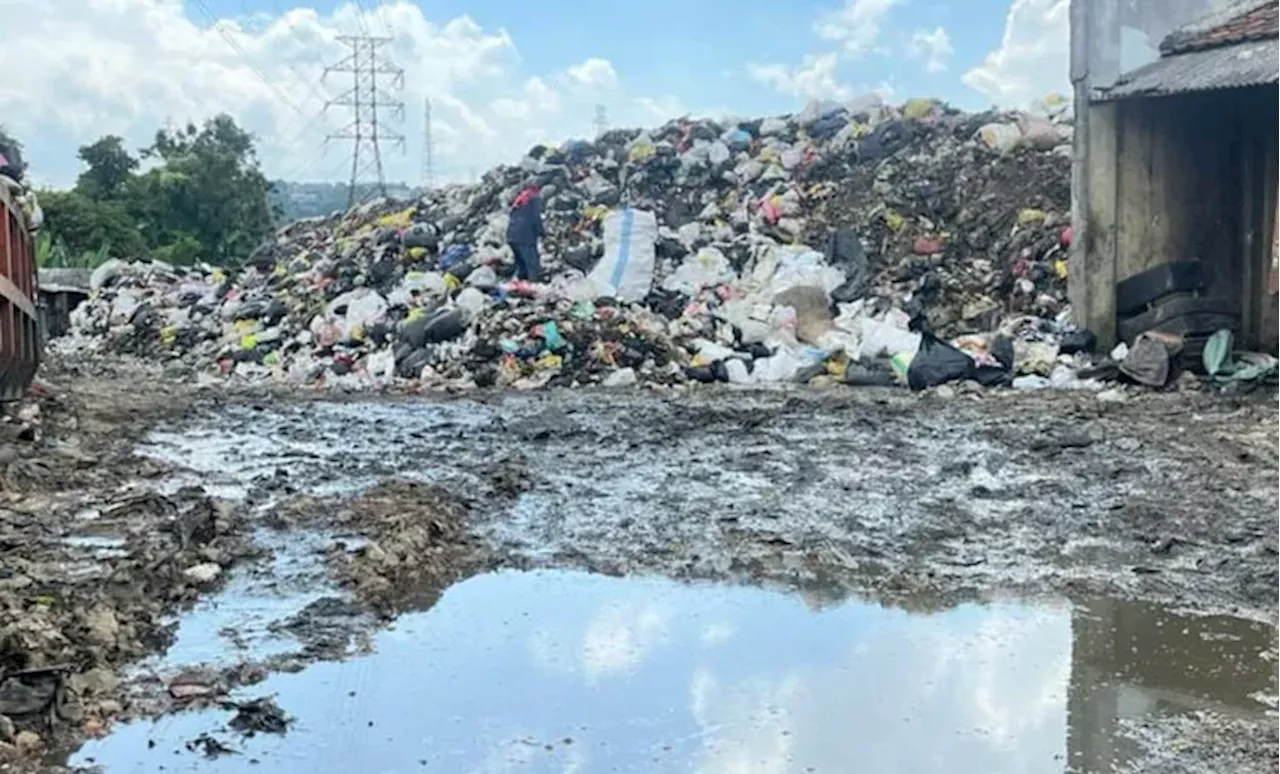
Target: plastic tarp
x=625 y=272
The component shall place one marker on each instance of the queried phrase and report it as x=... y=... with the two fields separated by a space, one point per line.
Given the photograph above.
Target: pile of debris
x=681 y=253
x=12 y=182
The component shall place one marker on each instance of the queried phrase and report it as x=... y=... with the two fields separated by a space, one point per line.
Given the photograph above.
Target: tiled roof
x=1239 y=22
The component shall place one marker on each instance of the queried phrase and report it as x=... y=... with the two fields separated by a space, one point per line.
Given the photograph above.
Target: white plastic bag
x=472 y=302
x=381 y=367
x=703 y=269
x=363 y=308
x=718 y=153
x=888 y=337
x=771 y=127
x=625 y=272
x=783 y=268
x=1001 y=137
x=737 y=371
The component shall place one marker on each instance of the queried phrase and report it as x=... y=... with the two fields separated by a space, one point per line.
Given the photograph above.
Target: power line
x=204 y=8
x=308 y=122
x=365 y=64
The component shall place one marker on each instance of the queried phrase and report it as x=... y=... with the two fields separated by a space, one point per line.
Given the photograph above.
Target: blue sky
x=696 y=49
x=501 y=74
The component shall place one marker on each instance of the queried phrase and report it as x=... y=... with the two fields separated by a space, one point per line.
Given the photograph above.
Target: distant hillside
x=305 y=200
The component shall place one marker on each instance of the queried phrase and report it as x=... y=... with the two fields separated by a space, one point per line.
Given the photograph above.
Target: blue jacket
x=525 y=226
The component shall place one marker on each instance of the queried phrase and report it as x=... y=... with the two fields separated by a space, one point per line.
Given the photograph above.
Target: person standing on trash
x=524 y=229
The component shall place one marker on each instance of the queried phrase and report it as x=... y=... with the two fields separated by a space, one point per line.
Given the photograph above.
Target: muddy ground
x=919 y=502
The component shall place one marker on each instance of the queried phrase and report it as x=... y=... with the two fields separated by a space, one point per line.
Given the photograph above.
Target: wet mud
x=277 y=549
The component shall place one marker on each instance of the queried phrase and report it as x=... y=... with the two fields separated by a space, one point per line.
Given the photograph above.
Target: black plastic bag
x=421 y=235
x=1082 y=340
x=844 y=251
x=580 y=258
x=993 y=376
x=445 y=325
x=936 y=363
x=872 y=375
x=1002 y=351
x=411 y=365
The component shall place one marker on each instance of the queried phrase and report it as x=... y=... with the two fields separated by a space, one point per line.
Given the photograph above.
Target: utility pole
x=428 y=152
x=601 y=123
x=365 y=64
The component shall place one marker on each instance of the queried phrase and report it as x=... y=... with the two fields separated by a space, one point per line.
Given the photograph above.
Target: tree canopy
x=110 y=167
x=201 y=196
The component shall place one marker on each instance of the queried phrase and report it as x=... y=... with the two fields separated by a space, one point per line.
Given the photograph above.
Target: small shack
x=1175 y=171
x=60 y=291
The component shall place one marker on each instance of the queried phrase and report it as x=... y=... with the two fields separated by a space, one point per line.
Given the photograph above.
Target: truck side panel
x=19 y=326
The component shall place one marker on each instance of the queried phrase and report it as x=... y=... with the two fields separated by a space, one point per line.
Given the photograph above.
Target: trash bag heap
x=821 y=245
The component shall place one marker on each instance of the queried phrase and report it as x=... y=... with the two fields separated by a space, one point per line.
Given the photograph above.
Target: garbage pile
x=11 y=179
x=847 y=242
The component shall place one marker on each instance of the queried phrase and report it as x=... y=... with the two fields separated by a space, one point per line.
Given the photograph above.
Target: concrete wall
x=1125 y=34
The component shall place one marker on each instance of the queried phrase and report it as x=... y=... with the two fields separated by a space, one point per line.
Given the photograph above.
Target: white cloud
x=815 y=78
x=593 y=71
x=620 y=637
x=659 y=109
x=1032 y=59
x=856 y=25
x=538 y=98
x=934 y=46
x=130 y=66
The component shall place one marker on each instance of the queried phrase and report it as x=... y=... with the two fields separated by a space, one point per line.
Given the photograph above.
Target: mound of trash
x=826 y=244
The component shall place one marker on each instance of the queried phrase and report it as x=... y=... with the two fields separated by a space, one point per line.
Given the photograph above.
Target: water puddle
x=570 y=672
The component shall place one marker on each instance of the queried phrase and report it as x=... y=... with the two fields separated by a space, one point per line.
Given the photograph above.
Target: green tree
x=208 y=189
x=110 y=168
x=85 y=224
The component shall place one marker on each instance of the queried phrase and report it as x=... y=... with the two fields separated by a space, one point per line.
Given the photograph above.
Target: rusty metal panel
x=20 y=341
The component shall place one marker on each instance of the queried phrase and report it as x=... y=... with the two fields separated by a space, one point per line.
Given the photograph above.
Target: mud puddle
x=567 y=671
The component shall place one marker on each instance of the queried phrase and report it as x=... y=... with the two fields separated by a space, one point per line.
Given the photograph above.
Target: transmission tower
x=428 y=151
x=600 y=123
x=366 y=63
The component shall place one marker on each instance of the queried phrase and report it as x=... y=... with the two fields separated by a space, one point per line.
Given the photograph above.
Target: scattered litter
x=256 y=716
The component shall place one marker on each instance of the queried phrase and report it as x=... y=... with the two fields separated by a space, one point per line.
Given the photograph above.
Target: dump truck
x=20 y=340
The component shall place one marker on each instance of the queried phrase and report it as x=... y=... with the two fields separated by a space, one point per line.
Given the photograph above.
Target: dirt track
x=921 y=502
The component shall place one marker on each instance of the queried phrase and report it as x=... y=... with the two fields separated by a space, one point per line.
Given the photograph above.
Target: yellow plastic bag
x=401 y=219
x=641 y=151
x=917 y=107
x=894 y=221
x=547 y=361
x=1030 y=215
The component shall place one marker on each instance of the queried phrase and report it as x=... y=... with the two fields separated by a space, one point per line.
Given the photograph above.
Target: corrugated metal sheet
x=1244 y=64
